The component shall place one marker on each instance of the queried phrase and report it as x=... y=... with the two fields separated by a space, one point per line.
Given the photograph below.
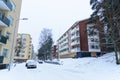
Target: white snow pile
x=89 y=68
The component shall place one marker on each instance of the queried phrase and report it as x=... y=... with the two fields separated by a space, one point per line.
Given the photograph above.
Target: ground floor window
x=94 y=46
x=5 y=52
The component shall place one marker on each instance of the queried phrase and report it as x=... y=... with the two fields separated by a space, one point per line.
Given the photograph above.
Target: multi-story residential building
x=23 y=48
x=9 y=15
x=76 y=41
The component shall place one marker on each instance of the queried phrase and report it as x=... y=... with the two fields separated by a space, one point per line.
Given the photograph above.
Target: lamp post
x=12 y=44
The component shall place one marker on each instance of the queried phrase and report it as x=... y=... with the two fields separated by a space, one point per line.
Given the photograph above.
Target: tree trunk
x=116 y=55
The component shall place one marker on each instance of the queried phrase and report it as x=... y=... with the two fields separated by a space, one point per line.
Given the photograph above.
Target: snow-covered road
x=103 y=68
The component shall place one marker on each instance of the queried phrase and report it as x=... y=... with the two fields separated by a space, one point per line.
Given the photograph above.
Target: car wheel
x=27 y=67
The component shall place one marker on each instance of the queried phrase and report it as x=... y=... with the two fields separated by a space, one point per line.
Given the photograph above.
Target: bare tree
x=45 y=44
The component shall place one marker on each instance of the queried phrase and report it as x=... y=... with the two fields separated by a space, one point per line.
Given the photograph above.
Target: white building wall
x=93 y=41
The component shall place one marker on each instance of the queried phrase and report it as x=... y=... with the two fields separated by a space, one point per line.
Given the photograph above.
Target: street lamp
x=12 y=44
x=24 y=19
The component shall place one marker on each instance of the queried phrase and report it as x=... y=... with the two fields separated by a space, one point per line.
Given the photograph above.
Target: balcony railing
x=1 y=59
x=4 y=19
x=3 y=39
x=75 y=49
x=75 y=43
x=6 y=3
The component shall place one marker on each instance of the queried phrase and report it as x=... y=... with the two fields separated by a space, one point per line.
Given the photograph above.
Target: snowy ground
x=102 y=68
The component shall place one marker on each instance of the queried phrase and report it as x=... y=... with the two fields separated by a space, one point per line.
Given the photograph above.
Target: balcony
x=6 y=5
x=73 y=31
x=1 y=59
x=77 y=49
x=4 y=21
x=75 y=43
x=73 y=37
x=3 y=39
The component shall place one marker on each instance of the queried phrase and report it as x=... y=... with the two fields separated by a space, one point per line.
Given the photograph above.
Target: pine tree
x=108 y=14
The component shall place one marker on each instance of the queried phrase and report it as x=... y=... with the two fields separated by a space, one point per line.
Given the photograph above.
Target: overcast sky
x=58 y=15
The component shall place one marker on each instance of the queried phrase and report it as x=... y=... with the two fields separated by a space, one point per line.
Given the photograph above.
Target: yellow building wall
x=15 y=14
x=31 y=52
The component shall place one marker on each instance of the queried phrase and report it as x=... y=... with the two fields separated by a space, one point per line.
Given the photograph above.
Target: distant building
x=23 y=48
x=76 y=41
x=9 y=15
x=54 y=51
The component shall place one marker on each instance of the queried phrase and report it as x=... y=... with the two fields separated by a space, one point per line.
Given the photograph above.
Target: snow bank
x=90 y=68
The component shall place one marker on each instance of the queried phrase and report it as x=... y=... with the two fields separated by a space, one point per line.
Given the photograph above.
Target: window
x=92 y=40
x=94 y=47
x=97 y=47
x=0 y=32
x=5 y=52
x=8 y=35
x=23 y=51
x=22 y=55
x=96 y=40
x=24 y=39
x=11 y=20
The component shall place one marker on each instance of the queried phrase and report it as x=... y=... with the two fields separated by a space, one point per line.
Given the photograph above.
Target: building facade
x=54 y=51
x=23 y=48
x=76 y=41
x=9 y=15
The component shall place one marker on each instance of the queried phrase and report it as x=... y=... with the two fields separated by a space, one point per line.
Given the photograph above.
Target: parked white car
x=31 y=64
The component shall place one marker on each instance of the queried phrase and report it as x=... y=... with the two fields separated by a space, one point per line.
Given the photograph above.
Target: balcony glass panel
x=4 y=19
x=6 y=4
x=1 y=59
x=3 y=39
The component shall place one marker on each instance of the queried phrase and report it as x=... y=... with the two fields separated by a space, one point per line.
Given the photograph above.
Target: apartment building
x=23 y=48
x=9 y=15
x=76 y=41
